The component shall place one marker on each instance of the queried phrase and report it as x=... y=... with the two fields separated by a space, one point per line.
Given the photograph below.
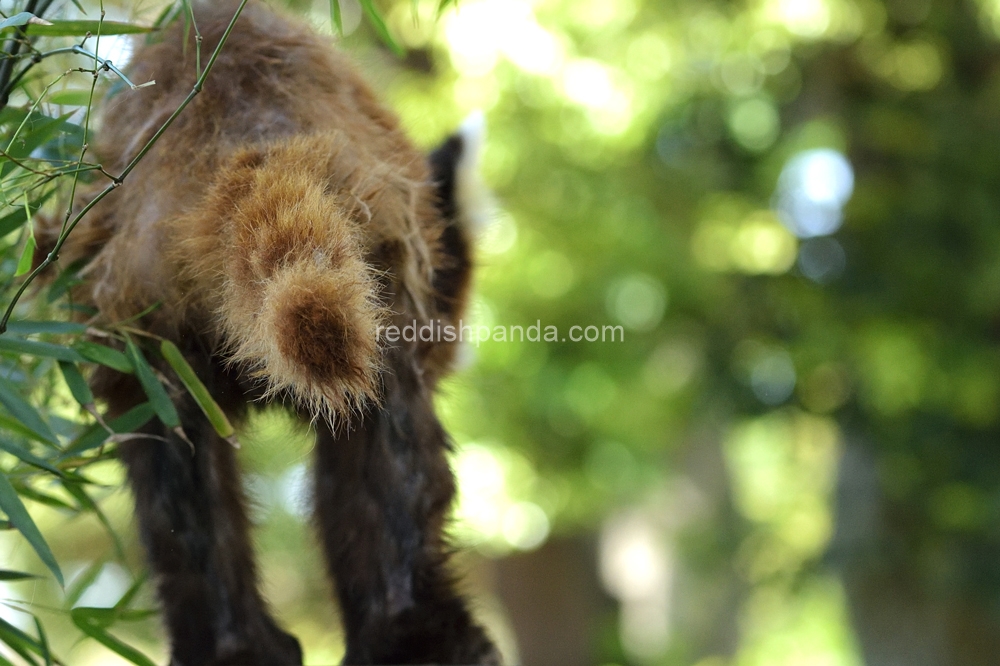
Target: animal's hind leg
x=189 y=506
x=383 y=488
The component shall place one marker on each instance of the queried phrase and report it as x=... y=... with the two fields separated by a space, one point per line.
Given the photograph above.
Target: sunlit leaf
x=96 y=435
x=27 y=256
x=25 y=413
x=338 y=22
x=76 y=383
x=93 y=622
x=28 y=457
x=71 y=97
x=15 y=220
x=158 y=396
x=83 y=580
x=43 y=641
x=81 y=28
x=19 y=517
x=104 y=355
x=20 y=642
x=197 y=389
x=380 y=28
x=12 y=345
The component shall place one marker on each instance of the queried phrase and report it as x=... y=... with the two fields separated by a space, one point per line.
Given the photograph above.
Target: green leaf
x=13 y=345
x=46 y=499
x=26 y=327
x=43 y=641
x=82 y=581
x=67 y=280
x=338 y=22
x=17 y=20
x=71 y=97
x=15 y=220
x=19 y=517
x=104 y=355
x=88 y=504
x=80 y=28
x=8 y=575
x=15 y=426
x=380 y=28
x=158 y=396
x=130 y=593
x=197 y=389
x=76 y=383
x=38 y=130
x=96 y=435
x=27 y=256
x=25 y=413
x=167 y=15
x=19 y=642
x=443 y=5
x=92 y=621
x=27 y=456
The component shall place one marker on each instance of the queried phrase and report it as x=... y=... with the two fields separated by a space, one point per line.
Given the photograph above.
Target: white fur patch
x=473 y=199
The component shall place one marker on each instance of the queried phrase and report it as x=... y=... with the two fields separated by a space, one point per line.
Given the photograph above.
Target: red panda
x=278 y=223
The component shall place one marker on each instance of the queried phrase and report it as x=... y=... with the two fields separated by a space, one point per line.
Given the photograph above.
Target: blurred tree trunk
x=899 y=618
x=554 y=600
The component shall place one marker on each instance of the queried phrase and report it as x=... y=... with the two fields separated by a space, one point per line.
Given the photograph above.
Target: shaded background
x=792 y=209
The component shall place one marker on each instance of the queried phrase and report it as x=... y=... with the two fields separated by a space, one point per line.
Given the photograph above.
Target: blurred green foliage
x=791 y=209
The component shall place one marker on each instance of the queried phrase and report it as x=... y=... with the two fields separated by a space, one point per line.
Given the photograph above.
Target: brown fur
x=279 y=222
x=216 y=230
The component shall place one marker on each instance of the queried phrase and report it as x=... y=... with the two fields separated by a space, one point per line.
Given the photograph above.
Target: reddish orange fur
x=288 y=219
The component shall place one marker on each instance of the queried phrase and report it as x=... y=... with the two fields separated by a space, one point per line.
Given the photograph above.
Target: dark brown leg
x=190 y=510
x=382 y=490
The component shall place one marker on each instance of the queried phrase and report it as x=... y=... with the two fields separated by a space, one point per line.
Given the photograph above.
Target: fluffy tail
x=292 y=295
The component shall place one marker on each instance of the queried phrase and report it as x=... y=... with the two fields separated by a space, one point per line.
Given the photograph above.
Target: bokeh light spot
x=638 y=301
x=812 y=190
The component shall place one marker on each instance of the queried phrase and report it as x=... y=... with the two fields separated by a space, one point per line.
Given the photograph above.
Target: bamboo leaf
x=83 y=581
x=197 y=389
x=15 y=426
x=25 y=413
x=88 y=504
x=158 y=396
x=31 y=327
x=96 y=435
x=28 y=253
x=29 y=457
x=66 y=280
x=15 y=220
x=15 y=575
x=43 y=642
x=380 y=28
x=27 y=256
x=46 y=499
x=443 y=5
x=44 y=349
x=70 y=97
x=338 y=22
x=17 y=20
x=80 y=28
x=19 y=517
x=92 y=621
x=19 y=642
x=104 y=355
x=76 y=383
